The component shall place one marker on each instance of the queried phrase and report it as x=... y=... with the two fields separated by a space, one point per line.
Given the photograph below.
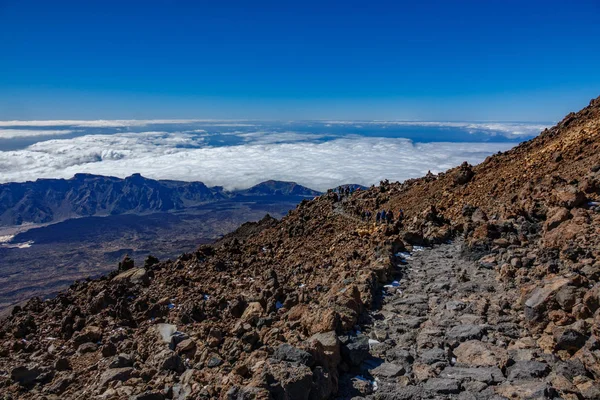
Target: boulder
x=134 y=275
x=87 y=348
x=24 y=375
x=168 y=360
x=115 y=374
x=61 y=383
x=479 y=216
x=88 y=334
x=185 y=346
x=566 y=297
x=556 y=217
x=435 y=355
x=121 y=361
x=463 y=174
x=214 y=362
x=569 y=197
x=285 y=352
x=324 y=384
x=62 y=364
x=388 y=370
x=329 y=344
x=526 y=390
x=569 y=339
x=252 y=313
x=355 y=349
x=591 y=299
x=524 y=370
x=126 y=264
x=476 y=353
x=109 y=349
x=465 y=332
x=287 y=380
x=442 y=386
x=541 y=298
x=488 y=375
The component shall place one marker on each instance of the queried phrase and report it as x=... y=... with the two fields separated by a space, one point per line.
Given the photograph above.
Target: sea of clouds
x=248 y=153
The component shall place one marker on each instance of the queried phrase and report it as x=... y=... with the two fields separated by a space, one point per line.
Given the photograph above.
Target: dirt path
x=446 y=329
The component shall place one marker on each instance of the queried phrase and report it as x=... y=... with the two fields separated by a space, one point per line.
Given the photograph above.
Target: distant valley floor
x=43 y=260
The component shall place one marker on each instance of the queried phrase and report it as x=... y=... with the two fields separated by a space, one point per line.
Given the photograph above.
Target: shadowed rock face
x=502 y=303
x=84 y=195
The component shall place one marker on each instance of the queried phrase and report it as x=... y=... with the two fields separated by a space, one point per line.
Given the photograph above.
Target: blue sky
x=435 y=60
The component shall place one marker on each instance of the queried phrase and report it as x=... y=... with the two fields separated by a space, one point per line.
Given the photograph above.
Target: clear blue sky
x=435 y=60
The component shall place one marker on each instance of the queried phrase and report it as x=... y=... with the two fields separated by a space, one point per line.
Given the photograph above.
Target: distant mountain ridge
x=84 y=195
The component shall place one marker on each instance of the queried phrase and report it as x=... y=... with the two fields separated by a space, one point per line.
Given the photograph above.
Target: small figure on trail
x=378 y=217
x=390 y=216
x=401 y=214
x=383 y=216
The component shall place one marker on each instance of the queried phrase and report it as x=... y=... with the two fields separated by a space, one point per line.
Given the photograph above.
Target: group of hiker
x=383 y=216
x=344 y=190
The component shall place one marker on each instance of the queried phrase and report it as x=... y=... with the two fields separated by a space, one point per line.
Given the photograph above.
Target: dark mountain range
x=274 y=188
x=85 y=195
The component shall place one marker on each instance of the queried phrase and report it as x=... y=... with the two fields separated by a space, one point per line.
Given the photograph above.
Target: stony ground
x=446 y=328
x=293 y=309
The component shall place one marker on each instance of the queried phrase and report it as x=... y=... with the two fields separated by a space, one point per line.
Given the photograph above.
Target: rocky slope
x=294 y=309
x=85 y=195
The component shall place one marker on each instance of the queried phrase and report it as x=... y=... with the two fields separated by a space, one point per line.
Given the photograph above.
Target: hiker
x=401 y=215
x=390 y=216
x=382 y=215
x=378 y=217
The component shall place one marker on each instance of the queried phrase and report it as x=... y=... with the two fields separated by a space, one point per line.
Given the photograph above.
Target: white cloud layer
x=21 y=133
x=512 y=128
x=185 y=156
x=122 y=123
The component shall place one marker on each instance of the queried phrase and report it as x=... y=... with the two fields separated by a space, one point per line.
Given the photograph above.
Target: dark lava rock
x=109 y=349
x=214 y=362
x=388 y=370
x=489 y=375
x=523 y=370
x=168 y=360
x=442 y=386
x=355 y=349
x=570 y=340
x=25 y=376
x=570 y=368
x=87 y=348
x=121 y=361
x=464 y=174
x=116 y=374
x=465 y=332
x=433 y=356
x=62 y=364
x=61 y=384
x=285 y=352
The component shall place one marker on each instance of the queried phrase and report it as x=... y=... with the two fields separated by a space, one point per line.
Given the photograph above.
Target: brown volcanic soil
x=277 y=310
